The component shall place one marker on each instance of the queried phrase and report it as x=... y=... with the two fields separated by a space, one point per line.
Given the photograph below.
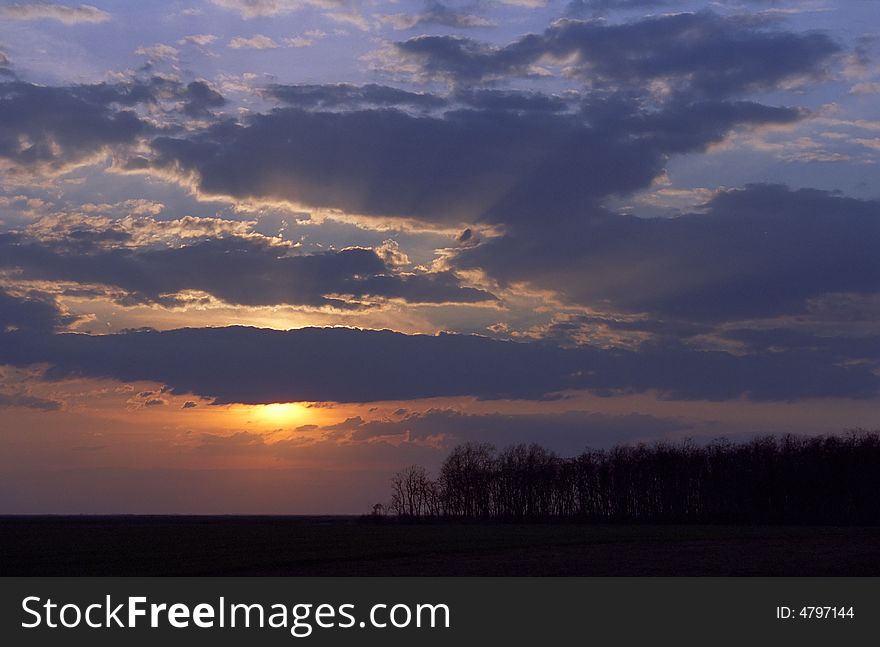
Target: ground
x=348 y=546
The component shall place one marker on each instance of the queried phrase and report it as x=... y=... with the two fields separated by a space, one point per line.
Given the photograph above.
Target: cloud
x=54 y=128
x=612 y=330
x=437 y=13
x=525 y=4
x=125 y=224
x=260 y=8
x=201 y=40
x=486 y=165
x=158 y=52
x=46 y=129
x=656 y=87
x=31 y=311
x=761 y=251
x=27 y=402
x=44 y=11
x=254 y=8
x=526 y=175
x=307 y=39
x=568 y=433
x=592 y=8
x=703 y=54
x=512 y=101
x=254 y=366
x=348 y=96
x=588 y=8
x=257 y=41
x=349 y=16
x=843 y=347
x=6 y=72
x=199 y=98
x=870 y=87
x=241 y=271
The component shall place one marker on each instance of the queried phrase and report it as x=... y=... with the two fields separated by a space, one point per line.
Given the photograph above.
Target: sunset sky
x=257 y=255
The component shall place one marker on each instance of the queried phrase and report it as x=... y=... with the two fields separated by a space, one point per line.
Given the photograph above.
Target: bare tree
x=819 y=479
x=413 y=493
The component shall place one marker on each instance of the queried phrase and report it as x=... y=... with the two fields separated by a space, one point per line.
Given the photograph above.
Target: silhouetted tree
x=413 y=493
x=466 y=477
x=788 y=479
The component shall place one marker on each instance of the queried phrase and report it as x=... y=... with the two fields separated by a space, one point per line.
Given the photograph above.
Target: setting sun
x=281 y=412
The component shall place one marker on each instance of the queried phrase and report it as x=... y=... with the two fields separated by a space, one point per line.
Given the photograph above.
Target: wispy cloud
x=84 y=13
x=436 y=13
x=158 y=52
x=257 y=41
x=258 y=8
x=27 y=402
x=202 y=40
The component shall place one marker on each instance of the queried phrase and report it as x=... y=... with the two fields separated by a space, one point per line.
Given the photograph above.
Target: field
x=347 y=546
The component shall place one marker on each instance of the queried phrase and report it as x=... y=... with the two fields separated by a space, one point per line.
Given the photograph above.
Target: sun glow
x=281 y=412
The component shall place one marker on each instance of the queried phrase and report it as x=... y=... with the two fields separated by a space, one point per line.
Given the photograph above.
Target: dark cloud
x=242 y=271
x=594 y=8
x=437 y=13
x=493 y=165
x=508 y=100
x=30 y=312
x=197 y=97
x=239 y=443
x=200 y=98
x=27 y=402
x=568 y=432
x=589 y=8
x=126 y=93
x=254 y=366
x=53 y=127
x=761 y=251
x=700 y=53
x=844 y=348
x=501 y=156
x=609 y=330
x=348 y=96
x=536 y=167
x=6 y=67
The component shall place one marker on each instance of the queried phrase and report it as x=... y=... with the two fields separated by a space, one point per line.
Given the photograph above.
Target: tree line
x=832 y=479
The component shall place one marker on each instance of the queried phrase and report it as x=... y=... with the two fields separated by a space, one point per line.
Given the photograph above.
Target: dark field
x=347 y=546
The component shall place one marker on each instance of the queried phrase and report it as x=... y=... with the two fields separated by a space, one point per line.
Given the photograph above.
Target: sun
x=281 y=412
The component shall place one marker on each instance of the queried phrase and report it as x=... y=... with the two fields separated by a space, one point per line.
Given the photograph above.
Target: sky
x=258 y=255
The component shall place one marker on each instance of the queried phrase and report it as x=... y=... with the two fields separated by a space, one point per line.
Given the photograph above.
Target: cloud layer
x=701 y=54
x=251 y=271
x=254 y=366
x=523 y=146
x=761 y=251
x=490 y=165
x=83 y=13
